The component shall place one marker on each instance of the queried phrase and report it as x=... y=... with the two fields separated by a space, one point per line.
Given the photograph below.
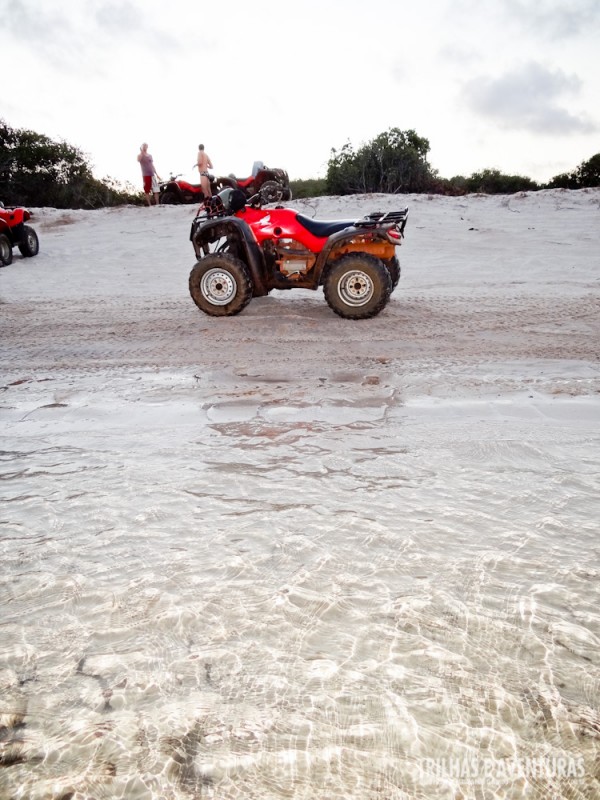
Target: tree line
x=397 y=162
x=38 y=171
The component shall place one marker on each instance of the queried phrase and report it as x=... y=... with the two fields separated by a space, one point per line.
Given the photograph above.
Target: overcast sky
x=506 y=84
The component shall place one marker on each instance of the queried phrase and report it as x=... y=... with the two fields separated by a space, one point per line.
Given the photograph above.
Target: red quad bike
x=175 y=191
x=245 y=250
x=273 y=185
x=13 y=231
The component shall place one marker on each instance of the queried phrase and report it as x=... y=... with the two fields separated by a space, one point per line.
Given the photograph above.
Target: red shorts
x=147 y=184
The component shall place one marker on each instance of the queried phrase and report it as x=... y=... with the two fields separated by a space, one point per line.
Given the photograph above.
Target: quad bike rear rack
x=399 y=218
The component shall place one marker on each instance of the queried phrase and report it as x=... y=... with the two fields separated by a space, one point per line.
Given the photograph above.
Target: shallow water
x=276 y=592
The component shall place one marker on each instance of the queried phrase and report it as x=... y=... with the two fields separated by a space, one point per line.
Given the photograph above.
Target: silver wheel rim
x=355 y=288
x=4 y=250
x=31 y=241
x=219 y=287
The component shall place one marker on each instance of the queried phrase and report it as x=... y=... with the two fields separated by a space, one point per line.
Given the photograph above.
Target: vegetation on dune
x=311 y=187
x=37 y=171
x=587 y=174
x=395 y=161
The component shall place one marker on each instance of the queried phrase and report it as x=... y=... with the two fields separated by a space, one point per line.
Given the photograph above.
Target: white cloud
x=556 y=19
x=527 y=98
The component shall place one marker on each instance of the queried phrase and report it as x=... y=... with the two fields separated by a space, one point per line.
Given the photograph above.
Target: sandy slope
x=503 y=279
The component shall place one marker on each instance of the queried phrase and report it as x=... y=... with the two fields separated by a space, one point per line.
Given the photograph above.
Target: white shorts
x=155 y=186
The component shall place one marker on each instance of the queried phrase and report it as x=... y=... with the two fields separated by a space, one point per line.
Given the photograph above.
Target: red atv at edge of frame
x=14 y=232
x=245 y=251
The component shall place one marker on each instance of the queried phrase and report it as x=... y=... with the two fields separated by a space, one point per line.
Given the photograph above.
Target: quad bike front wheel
x=6 y=254
x=220 y=285
x=357 y=286
x=271 y=192
x=29 y=245
x=168 y=199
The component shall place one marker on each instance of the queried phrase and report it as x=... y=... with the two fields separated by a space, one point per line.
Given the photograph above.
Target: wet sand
x=289 y=555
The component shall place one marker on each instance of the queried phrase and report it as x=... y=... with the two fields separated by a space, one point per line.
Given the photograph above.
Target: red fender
x=14 y=216
x=272 y=223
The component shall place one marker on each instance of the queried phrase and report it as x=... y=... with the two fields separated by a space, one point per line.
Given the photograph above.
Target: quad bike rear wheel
x=271 y=192
x=286 y=194
x=357 y=286
x=29 y=245
x=6 y=253
x=220 y=285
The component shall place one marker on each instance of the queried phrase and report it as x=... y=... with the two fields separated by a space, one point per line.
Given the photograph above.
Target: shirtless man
x=204 y=164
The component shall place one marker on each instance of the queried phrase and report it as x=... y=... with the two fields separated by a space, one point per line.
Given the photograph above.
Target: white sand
x=499 y=296
x=289 y=555
x=484 y=279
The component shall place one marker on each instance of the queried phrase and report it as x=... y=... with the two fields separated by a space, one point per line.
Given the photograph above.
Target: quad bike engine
x=292 y=258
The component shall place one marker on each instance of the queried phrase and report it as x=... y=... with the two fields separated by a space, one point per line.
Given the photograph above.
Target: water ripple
x=286 y=601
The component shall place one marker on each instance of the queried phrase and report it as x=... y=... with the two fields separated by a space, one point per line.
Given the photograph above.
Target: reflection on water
x=323 y=598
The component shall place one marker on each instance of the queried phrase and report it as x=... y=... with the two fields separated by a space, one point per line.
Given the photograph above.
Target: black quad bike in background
x=245 y=250
x=273 y=185
x=15 y=233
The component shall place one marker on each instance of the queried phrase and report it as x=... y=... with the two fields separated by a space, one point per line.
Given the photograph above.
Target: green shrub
x=311 y=187
x=492 y=181
x=37 y=171
x=395 y=161
x=586 y=175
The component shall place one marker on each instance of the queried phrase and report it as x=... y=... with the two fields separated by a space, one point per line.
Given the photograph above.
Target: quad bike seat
x=323 y=227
